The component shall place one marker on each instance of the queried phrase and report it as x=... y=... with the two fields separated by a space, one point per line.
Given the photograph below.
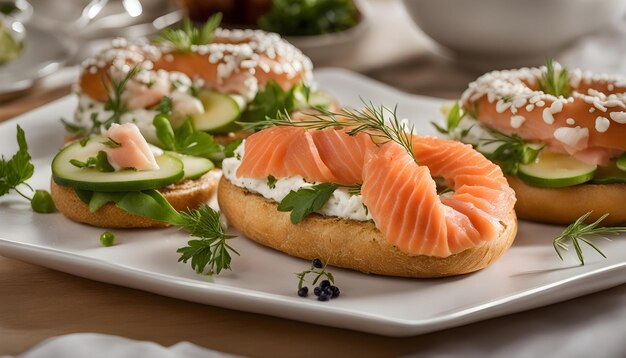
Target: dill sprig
x=188 y=35
x=554 y=83
x=578 y=232
x=379 y=122
x=114 y=89
x=212 y=249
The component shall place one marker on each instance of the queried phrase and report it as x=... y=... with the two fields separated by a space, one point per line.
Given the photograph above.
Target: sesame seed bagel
x=184 y=195
x=346 y=243
x=236 y=61
x=566 y=205
x=594 y=113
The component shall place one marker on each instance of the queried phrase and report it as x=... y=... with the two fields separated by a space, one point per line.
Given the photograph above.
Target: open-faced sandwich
x=91 y=176
x=560 y=136
x=208 y=76
x=362 y=194
x=153 y=114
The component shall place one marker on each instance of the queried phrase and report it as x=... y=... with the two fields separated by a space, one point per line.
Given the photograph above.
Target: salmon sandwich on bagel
x=559 y=136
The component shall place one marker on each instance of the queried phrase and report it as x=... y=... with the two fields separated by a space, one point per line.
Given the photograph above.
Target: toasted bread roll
x=345 y=243
x=184 y=195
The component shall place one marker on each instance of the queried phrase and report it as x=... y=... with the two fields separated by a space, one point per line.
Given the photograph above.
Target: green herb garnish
x=164 y=106
x=16 y=171
x=579 y=231
x=114 y=89
x=188 y=35
x=72 y=128
x=553 y=82
x=511 y=152
x=312 y=17
x=100 y=162
x=229 y=149
x=271 y=181
x=454 y=117
x=306 y=200
x=319 y=270
x=185 y=139
x=269 y=102
x=211 y=250
x=109 y=142
x=107 y=239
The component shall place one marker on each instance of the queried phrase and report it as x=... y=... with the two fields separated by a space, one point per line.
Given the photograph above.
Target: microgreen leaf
x=454 y=117
x=184 y=38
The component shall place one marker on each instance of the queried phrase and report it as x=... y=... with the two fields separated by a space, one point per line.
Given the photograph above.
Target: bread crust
x=565 y=205
x=188 y=194
x=347 y=243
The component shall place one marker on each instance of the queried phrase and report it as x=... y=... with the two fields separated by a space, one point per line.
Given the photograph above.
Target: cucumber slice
x=621 y=162
x=556 y=170
x=194 y=167
x=220 y=112
x=610 y=174
x=64 y=173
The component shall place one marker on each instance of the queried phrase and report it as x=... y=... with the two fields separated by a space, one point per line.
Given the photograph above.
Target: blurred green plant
x=309 y=17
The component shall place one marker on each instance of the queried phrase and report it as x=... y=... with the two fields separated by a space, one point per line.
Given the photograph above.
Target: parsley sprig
x=306 y=200
x=16 y=171
x=212 y=249
x=309 y=199
x=371 y=120
x=511 y=152
x=578 y=232
x=188 y=35
x=553 y=82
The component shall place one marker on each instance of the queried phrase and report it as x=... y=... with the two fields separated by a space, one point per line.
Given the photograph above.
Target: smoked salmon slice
x=327 y=155
x=131 y=150
x=400 y=193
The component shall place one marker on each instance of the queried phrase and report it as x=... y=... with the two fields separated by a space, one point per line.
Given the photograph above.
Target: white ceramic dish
x=511 y=33
x=263 y=281
x=322 y=49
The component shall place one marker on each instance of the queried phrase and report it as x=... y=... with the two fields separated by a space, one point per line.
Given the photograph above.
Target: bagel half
x=566 y=205
x=184 y=195
x=347 y=243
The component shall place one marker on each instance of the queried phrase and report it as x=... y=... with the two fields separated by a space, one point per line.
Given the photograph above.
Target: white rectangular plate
x=263 y=281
